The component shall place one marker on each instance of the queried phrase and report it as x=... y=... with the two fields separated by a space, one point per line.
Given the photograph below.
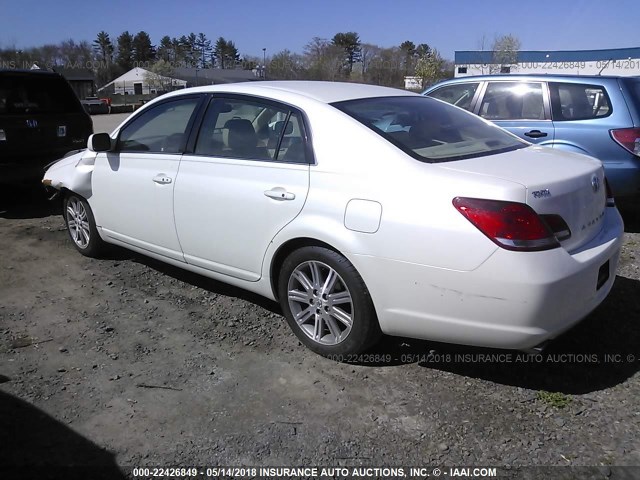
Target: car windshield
x=31 y=94
x=430 y=130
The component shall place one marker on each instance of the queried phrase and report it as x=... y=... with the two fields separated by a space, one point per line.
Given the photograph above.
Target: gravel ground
x=124 y=362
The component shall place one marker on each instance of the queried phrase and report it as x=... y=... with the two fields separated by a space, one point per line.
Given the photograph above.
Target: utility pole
x=264 y=63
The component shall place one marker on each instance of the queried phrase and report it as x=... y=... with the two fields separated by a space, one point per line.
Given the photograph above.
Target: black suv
x=41 y=119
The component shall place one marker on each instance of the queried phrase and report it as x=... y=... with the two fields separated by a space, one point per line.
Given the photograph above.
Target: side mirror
x=278 y=126
x=99 y=142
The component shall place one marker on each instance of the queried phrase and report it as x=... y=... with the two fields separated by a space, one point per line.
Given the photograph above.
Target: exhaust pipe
x=538 y=349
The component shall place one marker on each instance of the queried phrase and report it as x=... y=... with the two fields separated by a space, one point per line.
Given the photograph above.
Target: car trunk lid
x=557 y=183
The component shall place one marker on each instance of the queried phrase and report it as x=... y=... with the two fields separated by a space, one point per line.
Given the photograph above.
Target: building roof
x=469 y=57
x=76 y=74
x=139 y=75
x=213 y=76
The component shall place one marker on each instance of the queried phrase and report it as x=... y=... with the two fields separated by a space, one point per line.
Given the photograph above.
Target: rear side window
x=33 y=94
x=513 y=101
x=429 y=130
x=251 y=130
x=573 y=101
x=459 y=95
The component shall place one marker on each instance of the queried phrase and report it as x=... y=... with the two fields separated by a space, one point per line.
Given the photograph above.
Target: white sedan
x=361 y=209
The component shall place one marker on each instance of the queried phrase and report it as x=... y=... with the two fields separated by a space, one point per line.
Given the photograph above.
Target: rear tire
x=81 y=226
x=327 y=303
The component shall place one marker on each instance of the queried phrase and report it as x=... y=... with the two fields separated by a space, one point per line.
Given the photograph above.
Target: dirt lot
x=124 y=362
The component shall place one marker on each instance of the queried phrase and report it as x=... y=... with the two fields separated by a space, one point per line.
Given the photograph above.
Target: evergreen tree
x=350 y=43
x=203 y=44
x=143 y=51
x=124 y=58
x=103 y=47
x=226 y=53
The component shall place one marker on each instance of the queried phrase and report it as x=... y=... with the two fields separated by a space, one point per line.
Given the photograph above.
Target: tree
x=76 y=55
x=177 y=51
x=124 y=58
x=143 y=51
x=189 y=49
x=324 y=60
x=481 y=57
x=368 y=52
x=423 y=50
x=159 y=75
x=430 y=68
x=226 y=53
x=105 y=70
x=50 y=55
x=103 y=47
x=250 y=62
x=349 y=42
x=386 y=67
x=165 y=49
x=203 y=44
x=285 y=65
x=409 y=50
x=316 y=49
x=505 y=53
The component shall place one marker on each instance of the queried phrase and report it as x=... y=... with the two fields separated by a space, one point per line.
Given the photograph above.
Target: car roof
x=534 y=76
x=325 y=92
x=17 y=71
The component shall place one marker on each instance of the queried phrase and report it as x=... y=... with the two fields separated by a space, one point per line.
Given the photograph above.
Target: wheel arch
x=567 y=146
x=65 y=192
x=283 y=252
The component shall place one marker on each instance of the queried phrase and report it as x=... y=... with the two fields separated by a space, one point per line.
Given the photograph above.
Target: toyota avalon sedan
x=361 y=209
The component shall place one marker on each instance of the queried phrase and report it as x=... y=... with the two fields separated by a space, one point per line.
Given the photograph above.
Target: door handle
x=162 y=179
x=279 y=193
x=535 y=134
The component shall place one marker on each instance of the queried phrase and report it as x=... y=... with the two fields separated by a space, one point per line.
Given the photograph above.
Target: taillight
x=511 y=225
x=558 y=226
x=611 y=202
x=629 y=138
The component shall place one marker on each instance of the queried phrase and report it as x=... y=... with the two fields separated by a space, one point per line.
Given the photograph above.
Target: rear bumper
x=16 y=169
x=514 y=300
x=96 y=108
x=15 y=173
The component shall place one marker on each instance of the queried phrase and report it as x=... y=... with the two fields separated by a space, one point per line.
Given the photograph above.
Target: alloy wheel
x=320 y=302
x=78 y=223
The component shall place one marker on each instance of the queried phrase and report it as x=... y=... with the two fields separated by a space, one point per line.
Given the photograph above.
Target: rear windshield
x=20 y=94
x=430 y=130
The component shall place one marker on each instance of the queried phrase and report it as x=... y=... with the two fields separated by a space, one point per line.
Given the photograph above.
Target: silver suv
x=593 y=115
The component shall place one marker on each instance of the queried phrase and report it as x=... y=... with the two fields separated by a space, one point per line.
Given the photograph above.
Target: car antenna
x=605 y=66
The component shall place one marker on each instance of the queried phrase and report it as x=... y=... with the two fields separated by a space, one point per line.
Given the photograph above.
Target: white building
x=413 y=83
x=139 y=81
x=619 y=61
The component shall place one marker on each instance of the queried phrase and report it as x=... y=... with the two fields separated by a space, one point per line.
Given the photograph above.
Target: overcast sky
x=279 y=24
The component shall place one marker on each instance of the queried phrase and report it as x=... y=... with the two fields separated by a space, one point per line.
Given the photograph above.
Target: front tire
x=326 y=302
x=81 y=226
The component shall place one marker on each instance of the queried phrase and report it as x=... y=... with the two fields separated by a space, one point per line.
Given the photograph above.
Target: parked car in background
x=360 y=208
x=41 y=119
x=96 y=106
x=594 y=115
